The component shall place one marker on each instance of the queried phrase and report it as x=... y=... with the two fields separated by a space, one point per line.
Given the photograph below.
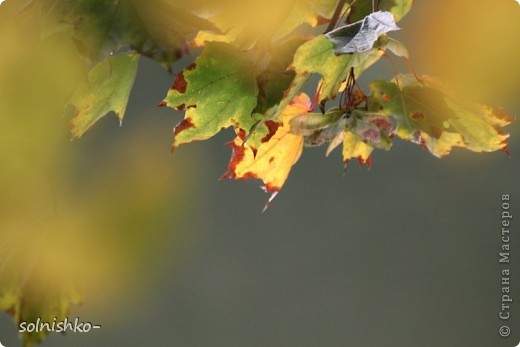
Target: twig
x=335 y=16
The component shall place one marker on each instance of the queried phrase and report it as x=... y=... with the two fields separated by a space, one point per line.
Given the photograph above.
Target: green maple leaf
x=107 y=89
x=428 y=114
x=218 y=91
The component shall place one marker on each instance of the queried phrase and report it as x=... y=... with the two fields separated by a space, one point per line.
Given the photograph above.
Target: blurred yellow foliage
x=73 y=220
x=471 y=45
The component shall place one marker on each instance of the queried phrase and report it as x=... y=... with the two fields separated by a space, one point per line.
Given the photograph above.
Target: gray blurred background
x=404 y=254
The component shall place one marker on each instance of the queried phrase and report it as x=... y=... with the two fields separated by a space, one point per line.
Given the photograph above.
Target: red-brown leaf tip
x=183 y=125
x=367 y=161
x=179 y=83
x=237 y=154
x=345 y=165
x=505 y=149
x=273 y=127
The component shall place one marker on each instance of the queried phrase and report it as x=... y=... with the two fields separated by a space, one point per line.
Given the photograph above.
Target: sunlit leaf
x=311 y=12
x=108 y=88
x=354 y=147
x=273 y=160
x=261 y=22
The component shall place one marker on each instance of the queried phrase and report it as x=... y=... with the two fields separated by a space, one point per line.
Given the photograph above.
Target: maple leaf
x=274 y=158
x=428 y=114
x=107 y=89
x=219 y=90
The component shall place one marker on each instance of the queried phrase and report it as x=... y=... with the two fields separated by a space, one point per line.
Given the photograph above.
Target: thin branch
x=335 y=16
x=399 y=89
x=412 y=69
x=345 y=11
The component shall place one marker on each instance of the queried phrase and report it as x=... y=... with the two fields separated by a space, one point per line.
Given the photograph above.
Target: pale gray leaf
x=361 y=35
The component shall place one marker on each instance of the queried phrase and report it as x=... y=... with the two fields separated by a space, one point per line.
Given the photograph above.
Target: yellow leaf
x=353 y=147
x=276 y=155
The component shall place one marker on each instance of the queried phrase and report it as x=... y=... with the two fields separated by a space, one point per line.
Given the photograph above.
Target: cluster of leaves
x=252 y=80
x=259 y=95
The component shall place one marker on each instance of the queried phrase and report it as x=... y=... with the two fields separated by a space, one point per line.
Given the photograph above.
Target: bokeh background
x=404 y=254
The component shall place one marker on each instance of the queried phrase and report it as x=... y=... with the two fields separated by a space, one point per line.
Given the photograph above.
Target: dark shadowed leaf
x=155 y=28
x=362 y=8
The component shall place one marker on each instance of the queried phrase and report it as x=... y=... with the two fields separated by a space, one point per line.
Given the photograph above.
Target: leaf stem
x=398 y=88
x=412 y=69
x=375 y=5
x=346 y=10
